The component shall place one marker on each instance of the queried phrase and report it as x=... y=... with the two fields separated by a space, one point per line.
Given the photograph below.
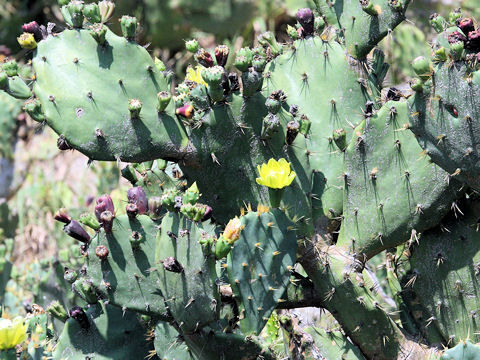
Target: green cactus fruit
x=111 y=334
x=222 y=248
x=78 y=117
x=33 y=107
x=192 y=46
x=188 y=275
x=422 y=68
x=92 y=13
x=10 y=68
x=58 y=311
x=164 y=98
x=89 y=220
x=127 y=277
x=99 y=33
x=85 y=289
x=75 y=9
x=438 y=22
x=292 y=32
x=129 y=27
x=259 y=266
x=243 y=59
x=385 y=179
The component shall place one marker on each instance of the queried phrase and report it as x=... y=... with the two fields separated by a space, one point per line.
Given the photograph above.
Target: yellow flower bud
x=232 y=230
x=27 y=41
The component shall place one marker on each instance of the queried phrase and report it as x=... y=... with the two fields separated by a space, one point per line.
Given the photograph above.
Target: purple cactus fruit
x=102 y=252
x=204 y=58
x=131 y=210
x=172 y=264
x=106 y=219
x=79 y=315
x=62 y=216
x=221 y=55
x=104 y=203
x=186 y=111
x=306 y=18
x=474 y=40
x=466 y=25
x=455 y=37
x=137 y=196
x=33 y=28
x=293 y=127
x=76 y=231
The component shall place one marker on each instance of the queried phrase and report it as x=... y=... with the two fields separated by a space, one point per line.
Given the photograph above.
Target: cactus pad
x=112 y=334
x=187 y=277
x=128 y=275
x=443 y=275
x=90 y=113
x=259 y=266
x=385 y=178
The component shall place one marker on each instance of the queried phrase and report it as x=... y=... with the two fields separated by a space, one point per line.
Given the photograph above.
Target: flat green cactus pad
x=85 y=90
x=189 y=289
x=385 y=178
x=113 y=334
x=259 y=266
x=128 y=277
x=443 y=275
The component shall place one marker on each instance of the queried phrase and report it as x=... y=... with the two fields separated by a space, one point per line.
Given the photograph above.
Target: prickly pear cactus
x=338 y=168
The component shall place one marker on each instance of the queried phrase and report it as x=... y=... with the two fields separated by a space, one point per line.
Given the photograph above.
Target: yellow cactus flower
x=232 y=230
x=275 y=174
x=12 y=332
x=27 y=41
x=195 y=75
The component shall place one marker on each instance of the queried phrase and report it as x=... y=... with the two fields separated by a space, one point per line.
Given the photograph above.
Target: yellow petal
x=290 y=178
